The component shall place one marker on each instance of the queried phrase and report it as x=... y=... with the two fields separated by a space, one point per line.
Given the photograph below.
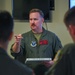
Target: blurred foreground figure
x=8 y=66
x=65 y=64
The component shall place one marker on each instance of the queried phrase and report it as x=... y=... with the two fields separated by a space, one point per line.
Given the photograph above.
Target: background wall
x=57 y=26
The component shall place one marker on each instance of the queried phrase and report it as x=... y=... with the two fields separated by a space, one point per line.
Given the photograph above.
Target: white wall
x=57 y=26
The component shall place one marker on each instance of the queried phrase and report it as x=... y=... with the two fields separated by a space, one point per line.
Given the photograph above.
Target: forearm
x=16 y=48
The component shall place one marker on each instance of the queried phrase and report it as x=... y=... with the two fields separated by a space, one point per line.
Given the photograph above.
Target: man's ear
x=11 y=35
x=72 y=29
x=43 y=20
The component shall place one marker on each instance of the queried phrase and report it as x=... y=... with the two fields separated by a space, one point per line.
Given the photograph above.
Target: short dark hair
x=69 y=17
x=6 y=25
x=37 y=10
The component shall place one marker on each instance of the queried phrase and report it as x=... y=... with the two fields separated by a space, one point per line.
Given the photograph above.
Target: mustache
x=33 y=24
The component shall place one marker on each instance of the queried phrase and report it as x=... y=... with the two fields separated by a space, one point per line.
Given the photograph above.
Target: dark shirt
x=8 y=66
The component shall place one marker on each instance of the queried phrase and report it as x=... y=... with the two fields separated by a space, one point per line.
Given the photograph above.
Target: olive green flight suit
x=48 y=46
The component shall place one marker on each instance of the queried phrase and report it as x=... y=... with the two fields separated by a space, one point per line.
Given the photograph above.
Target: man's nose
x=32 y=21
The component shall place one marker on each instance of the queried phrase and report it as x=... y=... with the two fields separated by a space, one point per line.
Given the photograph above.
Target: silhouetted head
x=6 y=25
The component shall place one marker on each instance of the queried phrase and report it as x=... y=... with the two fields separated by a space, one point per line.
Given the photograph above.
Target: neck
x=4 y=45
x=37 y=31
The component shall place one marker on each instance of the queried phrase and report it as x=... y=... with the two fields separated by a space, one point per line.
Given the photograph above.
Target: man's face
x=35 y=21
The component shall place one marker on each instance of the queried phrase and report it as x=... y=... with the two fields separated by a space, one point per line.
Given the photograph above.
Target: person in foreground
x=65 y=65
x=8 y=66
x=37 y=43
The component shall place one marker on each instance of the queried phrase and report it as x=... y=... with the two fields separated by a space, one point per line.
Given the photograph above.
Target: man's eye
x=35 y=19
x=30 y=19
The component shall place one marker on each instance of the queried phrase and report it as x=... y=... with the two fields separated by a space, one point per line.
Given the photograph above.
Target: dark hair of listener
x=69 y=17
x=37 y=10
x=6 y=25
